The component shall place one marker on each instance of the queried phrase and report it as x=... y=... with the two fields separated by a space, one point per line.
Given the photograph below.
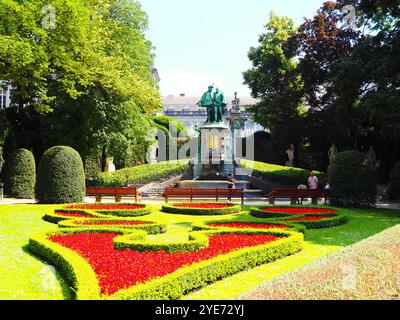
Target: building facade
x=186 y=110
x=4 y=96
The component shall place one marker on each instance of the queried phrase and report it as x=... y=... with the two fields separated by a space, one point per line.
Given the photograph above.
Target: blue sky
x=199 y=42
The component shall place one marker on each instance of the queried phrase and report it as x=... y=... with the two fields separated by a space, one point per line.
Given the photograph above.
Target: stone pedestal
x=214 y=151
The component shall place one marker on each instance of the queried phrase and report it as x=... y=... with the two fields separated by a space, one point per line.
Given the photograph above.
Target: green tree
x=344 y=82
x=273 y=79
x=82 y=81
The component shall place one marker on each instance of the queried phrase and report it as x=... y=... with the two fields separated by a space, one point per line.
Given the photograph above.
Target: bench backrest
x=114 y=191
x=202 y=192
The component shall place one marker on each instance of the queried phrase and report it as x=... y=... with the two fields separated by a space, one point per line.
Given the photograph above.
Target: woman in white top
x=313 y=181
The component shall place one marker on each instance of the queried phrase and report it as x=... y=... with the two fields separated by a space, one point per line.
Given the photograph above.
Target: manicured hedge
x=144 y=174
x=138 y=242
x=329 y=222
x=198 y=275
x=125 y=213
x=281 y=174
x=75 y=269
x=61 y=178
x=83 y=281
x=56 y=217
x=164 y=121
x=105 y=214
x=204 y=225
x=20 y=175
x=352 y=180
x=260 y=213
x=150 y=227
x=232 y=209
x=332 y=219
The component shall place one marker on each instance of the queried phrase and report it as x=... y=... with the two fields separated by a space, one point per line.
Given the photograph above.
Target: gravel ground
x=367 y=270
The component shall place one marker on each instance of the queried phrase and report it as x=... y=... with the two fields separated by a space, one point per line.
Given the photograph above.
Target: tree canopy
x=326 y=81
x=80 y=72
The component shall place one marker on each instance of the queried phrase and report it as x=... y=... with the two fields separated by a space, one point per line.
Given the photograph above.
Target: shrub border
x=200 y=274
x=334 y=219
x=232 y=209
x=150 y=227
x=105 y=214
x=115 y=212
x=259 y=213
x=290 y=225
x=75 y=269
x=84 y=281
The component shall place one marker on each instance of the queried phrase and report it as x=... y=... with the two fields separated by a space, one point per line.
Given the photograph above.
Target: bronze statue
x=207 y=101
x=219 y=105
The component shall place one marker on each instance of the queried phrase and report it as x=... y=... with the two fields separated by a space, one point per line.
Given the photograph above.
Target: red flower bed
x=73 y=214
x=112 y=223
x=118 y=269
x=241 y=225
x=298 y=210
x=105 y=207
x=309 y=218
x=202 y=205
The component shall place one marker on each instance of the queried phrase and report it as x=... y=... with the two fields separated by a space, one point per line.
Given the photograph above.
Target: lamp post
x=236 y=122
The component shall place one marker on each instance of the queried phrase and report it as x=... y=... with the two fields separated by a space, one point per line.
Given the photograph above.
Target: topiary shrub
x=352 y=181
x=20 y=175
x=61 y=177
x=395 y=181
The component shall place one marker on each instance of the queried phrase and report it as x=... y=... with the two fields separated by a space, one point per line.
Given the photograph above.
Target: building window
x=3 y=98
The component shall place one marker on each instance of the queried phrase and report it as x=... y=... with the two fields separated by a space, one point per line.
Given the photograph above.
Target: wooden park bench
x=296 y=194
x=117 y=192
x=193 y=193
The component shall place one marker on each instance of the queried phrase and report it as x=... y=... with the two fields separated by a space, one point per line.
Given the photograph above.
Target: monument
x=110 y=166
x=290 y=153
x=215 y=155
x=332 y=154
x=371 y=156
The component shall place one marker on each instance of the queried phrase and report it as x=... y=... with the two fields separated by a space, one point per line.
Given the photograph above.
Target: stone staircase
x=156 y=189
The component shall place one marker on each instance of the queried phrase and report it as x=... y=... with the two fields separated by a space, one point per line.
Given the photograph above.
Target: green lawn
x=23 y=276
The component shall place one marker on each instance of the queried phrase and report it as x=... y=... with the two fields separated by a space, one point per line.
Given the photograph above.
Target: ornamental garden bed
x=239 y=224
x=126 y=265
x=95 y=211
x=201 y=208
x=311 y=217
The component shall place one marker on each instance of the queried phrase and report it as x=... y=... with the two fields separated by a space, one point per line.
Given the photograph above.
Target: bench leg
x=293 y=201
x=314 y=200
x=98 y=198
x=272 y=201
x=118 y=198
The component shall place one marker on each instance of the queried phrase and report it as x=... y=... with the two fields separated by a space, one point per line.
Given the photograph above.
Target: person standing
x=231 y=184
x=313 y=181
